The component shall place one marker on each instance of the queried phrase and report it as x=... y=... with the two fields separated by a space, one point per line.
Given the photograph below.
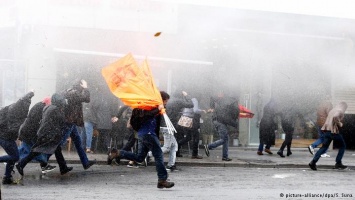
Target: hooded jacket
x=175 y=106
x=335 y=117
x=12 y=116
x=29 y=128
x=50 y=132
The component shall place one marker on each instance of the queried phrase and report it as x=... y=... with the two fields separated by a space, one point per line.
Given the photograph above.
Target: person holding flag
x=136 y=88
x=147 y=124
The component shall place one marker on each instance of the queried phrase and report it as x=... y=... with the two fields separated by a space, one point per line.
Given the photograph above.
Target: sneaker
x=171 y=168
x=90 y=163
x=165 y=184
x=311 y=149
x=340 y=166
x=313 y=166
x=47 y=168
x=268 y=151
x=324 y=155
x=19 y=169
x=8 y=181
x=226 y=159
x=89 y=151
x=207 y=151
x=66 y=170
x=132 y=165
x=114 y=154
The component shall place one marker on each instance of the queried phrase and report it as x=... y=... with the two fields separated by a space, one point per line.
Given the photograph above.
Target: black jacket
x=29 y=128
x=50 y=132
x=74 y=109
x=226 y=110
x=12 y=116
x=268 y=123
x=288 y=121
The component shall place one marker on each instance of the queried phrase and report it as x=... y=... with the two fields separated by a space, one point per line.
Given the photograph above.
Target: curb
x=239 y=164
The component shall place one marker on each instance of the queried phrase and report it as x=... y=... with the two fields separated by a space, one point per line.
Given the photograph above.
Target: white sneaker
x=324 y=155
x=311 y=149
x=47 y=168
x=132 y=164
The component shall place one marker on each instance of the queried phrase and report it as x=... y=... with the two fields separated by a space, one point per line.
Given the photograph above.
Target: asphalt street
x=120 y=182
x=247 y=176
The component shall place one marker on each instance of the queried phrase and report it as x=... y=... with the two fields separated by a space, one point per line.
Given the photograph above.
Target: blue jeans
x=12 y=156
x=261 y=146
x=89 y=129
x=224 y=138
x=25 y=149
x=71 y=131
x=328 y=137
x=152 y=143
x=319 y=140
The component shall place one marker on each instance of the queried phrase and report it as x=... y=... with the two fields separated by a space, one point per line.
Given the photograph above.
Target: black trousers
x=287 y=143
x=186 y=135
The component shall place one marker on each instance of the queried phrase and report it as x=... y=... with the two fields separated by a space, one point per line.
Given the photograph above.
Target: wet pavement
x=242 y=157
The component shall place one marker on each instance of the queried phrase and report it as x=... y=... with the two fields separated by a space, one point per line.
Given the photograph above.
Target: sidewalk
x=242 y=157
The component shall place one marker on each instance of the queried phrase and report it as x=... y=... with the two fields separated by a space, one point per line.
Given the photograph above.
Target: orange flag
x=132 y=84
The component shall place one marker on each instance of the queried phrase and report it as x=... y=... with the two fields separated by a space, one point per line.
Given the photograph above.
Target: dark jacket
x=29 y=128
x=125 y=112
x=51 y=130
x=288 y=121
x=226 y=110
x=175 y=106
x=12 y=116
x=74 y=109
x=140 y=117
x=268 y=124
